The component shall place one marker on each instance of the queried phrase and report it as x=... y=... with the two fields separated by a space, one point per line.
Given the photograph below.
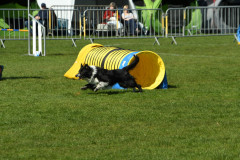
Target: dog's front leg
x=101 y=85
x=89 y=85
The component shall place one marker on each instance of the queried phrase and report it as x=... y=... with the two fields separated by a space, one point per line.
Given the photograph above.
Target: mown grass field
x=44 y=115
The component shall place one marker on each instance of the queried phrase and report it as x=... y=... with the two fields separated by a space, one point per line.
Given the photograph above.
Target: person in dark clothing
x=202 y=3
x=1 y=70
x=42 y=17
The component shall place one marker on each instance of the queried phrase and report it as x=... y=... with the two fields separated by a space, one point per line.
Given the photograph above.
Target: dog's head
x=85 y=72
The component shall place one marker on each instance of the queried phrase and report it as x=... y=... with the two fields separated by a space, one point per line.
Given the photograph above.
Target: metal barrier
x=63 y=22
x=150 y=24
x=78 y=22
x=202 y=21
x=12 y=24
x=174 y=22
x=60 y=24
x=81 y=8
x=70 y=18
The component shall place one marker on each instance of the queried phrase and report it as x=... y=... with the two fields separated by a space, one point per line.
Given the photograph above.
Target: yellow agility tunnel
x=149 y=73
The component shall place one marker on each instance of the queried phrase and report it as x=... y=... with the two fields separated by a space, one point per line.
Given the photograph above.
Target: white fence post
x=34 y=37
x=41 y=35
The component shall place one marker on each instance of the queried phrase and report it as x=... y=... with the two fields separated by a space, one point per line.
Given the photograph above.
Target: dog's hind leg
x=134 y=89
x=139 y=88
x=133 y=84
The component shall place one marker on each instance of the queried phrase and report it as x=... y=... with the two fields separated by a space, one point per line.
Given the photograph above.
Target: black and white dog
x=99 y=78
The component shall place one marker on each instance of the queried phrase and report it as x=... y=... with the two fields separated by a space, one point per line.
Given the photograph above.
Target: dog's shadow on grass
x=124 y=91
x=109 y=92
x=60 y=54
x=17 y=78
x=172 y=86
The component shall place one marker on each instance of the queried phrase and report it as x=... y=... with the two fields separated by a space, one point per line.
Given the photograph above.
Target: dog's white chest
x=94 y=81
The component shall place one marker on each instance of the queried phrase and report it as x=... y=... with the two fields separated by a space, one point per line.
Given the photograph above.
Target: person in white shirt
x=129 y=20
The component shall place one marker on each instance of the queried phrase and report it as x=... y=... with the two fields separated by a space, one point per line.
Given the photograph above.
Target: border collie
x=99 y=78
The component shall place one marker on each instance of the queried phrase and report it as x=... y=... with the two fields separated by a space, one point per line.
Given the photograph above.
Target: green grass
x=44 y=115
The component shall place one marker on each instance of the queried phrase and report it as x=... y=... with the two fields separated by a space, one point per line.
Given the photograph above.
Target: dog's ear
x=81 y=65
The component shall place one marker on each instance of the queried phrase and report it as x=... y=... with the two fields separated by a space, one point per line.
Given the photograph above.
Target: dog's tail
x=133 y=64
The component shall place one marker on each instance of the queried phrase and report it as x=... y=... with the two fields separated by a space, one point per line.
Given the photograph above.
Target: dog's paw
x=139 y=90
x=95 y=90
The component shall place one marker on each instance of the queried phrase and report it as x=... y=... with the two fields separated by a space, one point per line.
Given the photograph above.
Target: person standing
x=42 y=17
x=1 y=70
